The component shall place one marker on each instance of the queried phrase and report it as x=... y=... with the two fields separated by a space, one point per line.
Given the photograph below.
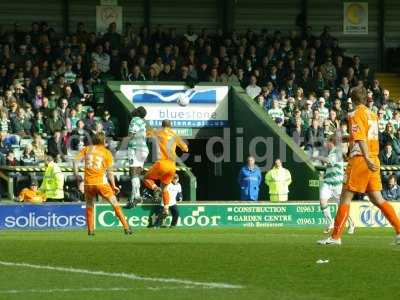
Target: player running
x=165 y=167
x=363 y=169
x=331 y=187
x=98 y=162
x=137 y=153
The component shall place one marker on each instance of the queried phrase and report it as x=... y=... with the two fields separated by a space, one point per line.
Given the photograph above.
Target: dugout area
x=250 y=131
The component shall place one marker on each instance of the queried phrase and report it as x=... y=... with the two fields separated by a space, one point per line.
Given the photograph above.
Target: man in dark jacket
x=388 y=157
x=56 y=147
x=54 y=123
x=314 y=136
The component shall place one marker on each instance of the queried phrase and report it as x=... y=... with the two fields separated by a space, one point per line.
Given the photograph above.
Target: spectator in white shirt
x=253 y=90
x=102 y=59
x=276 y=112
x=175 y=194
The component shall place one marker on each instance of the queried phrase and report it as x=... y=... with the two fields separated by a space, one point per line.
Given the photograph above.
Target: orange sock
x=340 y=220
x=165 y=196
x=390 y=214
x=89 y=218
x=121 y=216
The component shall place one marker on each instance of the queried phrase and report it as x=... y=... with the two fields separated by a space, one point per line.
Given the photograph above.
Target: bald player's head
x=166 y=124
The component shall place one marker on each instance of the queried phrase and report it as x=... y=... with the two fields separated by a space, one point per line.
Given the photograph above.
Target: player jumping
x=331 y=187
x=165 y=167
x=363 y=169
x=137 y=153
x=98 y=162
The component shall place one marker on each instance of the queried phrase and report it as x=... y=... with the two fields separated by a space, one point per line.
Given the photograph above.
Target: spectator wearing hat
x=307 y=113
x=31 y=194
x=323 y=110
x=90 y=122
x=370 y=103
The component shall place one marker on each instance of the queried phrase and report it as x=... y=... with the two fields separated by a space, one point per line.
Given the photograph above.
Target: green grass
x=268 y=263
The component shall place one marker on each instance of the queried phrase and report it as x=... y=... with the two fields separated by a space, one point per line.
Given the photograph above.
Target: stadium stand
x=52 y=85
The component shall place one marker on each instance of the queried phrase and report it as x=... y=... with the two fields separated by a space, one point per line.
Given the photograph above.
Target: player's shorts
x=137 y=157
x=358 y=178
x=328 y=192
x=104 y=190
x=163 y=170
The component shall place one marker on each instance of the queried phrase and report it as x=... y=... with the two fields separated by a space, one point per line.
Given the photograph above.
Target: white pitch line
x=78 y=290
x=124 y=275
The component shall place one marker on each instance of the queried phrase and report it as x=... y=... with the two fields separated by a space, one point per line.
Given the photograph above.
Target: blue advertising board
x=48 y=216
x=197 y=107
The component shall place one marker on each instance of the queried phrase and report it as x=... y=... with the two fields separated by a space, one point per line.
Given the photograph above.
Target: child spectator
x=32 y=194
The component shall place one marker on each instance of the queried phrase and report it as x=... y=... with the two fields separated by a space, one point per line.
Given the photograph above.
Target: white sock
x=135 y=187
x=327 y=214
x=350 y=222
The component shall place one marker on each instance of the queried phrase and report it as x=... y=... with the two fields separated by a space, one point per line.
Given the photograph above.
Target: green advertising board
x=234 y=214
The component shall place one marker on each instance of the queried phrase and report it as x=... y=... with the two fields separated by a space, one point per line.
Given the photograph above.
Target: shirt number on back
x=94 y=162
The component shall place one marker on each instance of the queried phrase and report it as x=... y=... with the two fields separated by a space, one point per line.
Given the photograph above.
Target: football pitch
x=197 y=264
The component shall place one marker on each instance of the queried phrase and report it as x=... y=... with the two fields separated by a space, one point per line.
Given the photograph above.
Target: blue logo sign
x=181 y=97
x=48 y=216
x=371 y=216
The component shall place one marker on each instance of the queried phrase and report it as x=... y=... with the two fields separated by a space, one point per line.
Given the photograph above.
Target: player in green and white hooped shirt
x=331 y=187
x=137 y=152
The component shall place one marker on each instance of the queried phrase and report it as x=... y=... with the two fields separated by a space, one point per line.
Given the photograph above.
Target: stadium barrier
x=188 y=180
x=199 y=215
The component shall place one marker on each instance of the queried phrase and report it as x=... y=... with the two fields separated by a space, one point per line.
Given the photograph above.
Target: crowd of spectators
x=303 y=81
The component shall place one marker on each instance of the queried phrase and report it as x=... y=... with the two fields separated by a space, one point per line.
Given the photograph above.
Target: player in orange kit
x=165 y=167
x=363 y=170
x=98 y=162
